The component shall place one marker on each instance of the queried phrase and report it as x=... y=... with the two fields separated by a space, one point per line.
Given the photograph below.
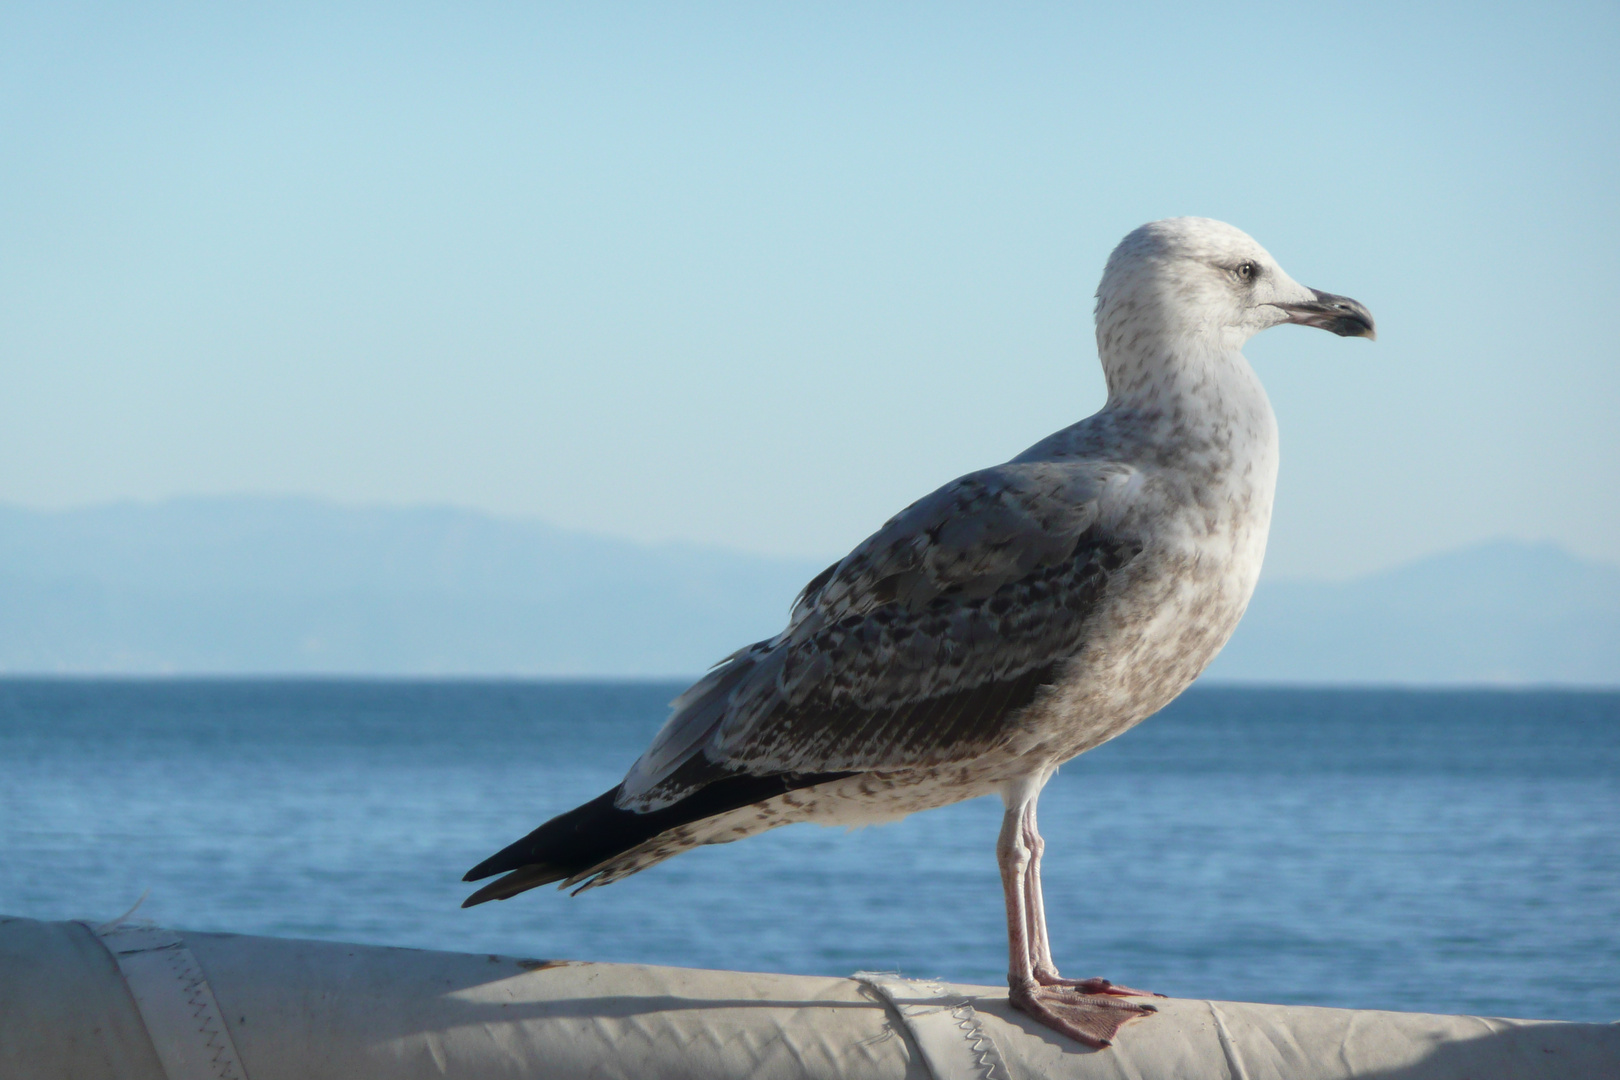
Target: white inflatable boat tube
x=144 y=1003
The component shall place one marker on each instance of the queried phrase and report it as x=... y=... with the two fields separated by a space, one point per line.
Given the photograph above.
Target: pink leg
x=1090 y=1012
x=1046 y=972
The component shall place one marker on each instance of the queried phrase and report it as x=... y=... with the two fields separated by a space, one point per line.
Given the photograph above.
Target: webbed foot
x=1090 y=1018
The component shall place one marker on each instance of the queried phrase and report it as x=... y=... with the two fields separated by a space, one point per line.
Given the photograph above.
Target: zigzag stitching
x=193 y=984
x=983 y=1047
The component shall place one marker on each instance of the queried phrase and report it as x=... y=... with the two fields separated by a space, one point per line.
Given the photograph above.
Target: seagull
x=1009 y=621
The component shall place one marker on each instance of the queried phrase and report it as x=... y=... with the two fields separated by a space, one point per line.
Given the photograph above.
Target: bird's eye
x=1247 y=272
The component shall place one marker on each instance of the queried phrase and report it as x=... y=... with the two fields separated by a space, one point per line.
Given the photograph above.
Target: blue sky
x=759 y=275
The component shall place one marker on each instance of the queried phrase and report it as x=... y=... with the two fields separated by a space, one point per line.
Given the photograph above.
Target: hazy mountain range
x=296 y=586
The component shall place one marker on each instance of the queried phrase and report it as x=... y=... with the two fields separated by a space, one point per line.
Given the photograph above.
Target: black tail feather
x=520 y=880
x=566 y=840
x=597 y=831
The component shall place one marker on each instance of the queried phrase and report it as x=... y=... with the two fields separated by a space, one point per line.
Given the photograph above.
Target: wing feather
x=919 y=645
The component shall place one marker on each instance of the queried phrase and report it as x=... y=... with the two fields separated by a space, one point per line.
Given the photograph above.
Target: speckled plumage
x=999 y=626
x=1114 y=557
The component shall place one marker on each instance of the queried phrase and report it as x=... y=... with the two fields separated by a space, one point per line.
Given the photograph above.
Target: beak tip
x=1336 y=314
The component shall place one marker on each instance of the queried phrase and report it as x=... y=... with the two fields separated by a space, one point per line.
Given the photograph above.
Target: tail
x=587 y=836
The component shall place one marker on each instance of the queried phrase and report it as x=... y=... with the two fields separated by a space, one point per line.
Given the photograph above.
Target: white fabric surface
x=948 y=1032
x=302 y=1010
x=176 y=1004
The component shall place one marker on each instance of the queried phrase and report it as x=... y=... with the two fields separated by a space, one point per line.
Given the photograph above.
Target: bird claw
x=1090 y=1019
x=1091 y=986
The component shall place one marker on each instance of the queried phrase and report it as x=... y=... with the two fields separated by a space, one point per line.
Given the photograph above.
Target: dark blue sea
x=1403 y=849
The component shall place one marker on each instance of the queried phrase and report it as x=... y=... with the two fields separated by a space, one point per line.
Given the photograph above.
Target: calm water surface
x=1426 y=850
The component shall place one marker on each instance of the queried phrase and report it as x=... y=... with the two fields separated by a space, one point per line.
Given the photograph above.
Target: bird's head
x=1196 y=278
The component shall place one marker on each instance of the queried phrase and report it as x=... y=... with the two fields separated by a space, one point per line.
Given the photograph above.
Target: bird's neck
x=1198 y=394
x=1198 y=413
x=1143 y=367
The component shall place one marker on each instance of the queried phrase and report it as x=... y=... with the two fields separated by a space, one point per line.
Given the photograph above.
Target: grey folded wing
x=919 y=645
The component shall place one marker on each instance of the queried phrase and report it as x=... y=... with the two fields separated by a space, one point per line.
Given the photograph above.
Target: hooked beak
x=1339 y=314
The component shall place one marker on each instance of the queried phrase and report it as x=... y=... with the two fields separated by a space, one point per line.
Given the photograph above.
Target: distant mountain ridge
x=286 y=585
x=249 y=585
x=1502 y=612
